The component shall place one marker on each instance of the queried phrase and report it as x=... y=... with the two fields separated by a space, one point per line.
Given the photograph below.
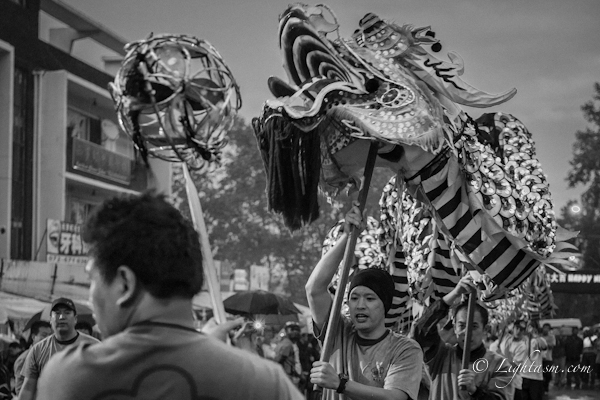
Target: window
x=83 y=127
x=102 y=132
x=22 y=174
x=78 y=210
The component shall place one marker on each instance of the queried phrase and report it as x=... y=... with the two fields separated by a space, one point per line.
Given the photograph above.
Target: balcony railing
x=94 y=161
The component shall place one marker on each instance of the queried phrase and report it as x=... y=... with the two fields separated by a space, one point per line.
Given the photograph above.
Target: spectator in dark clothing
x=547 y=355
x=559 y=361
x=588 y=358
x=597 y=346
x=84 y=327
x=40 y=330
x=14 y=350
x=8 y=362
x=573 y=350
x=287 y=352
x=309 y=353
x=4 y=382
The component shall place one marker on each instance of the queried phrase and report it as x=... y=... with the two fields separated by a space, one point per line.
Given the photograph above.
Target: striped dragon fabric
x=442 y=218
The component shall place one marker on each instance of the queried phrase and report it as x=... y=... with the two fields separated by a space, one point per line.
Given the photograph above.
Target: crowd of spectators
x=368 y=359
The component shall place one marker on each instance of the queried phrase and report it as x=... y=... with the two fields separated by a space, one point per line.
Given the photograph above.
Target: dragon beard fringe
x=292 y=162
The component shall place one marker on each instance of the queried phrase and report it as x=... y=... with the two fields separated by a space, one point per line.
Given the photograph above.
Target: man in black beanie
x=368 y=360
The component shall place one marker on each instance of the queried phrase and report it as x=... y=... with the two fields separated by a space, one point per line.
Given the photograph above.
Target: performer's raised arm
x=319 y=299
x=392 y=364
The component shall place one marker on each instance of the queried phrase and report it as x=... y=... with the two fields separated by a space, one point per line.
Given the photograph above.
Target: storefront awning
x=16 y=307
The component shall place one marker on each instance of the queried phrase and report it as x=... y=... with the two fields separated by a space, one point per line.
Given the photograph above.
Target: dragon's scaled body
x=466 y=192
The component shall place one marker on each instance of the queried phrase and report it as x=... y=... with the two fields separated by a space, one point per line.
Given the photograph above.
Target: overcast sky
x=548 y=49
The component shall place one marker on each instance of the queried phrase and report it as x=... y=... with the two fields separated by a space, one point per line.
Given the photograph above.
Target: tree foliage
x=586 y=163
x=241 y=228
x=585 y=170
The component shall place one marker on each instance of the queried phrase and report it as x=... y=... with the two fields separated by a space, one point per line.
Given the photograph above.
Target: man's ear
x=127 y=285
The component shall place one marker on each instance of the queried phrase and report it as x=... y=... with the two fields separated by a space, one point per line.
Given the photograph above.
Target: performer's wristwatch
x=342 y=386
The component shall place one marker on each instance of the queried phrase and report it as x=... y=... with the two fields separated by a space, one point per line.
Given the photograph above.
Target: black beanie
x=378 y=281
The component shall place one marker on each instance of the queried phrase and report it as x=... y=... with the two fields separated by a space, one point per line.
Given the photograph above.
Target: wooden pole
x=336 y=308
x=210 y=272
x=469 y=333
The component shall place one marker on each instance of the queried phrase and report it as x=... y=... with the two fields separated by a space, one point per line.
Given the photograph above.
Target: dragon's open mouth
x=367 y=95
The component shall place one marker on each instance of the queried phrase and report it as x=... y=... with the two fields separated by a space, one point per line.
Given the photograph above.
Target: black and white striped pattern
x=493 y=250
x=411 y=253
x=463 y=231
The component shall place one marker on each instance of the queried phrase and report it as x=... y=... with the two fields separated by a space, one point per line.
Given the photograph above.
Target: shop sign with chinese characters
x=64 y=244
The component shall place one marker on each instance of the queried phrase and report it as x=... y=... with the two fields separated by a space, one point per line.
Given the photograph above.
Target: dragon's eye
x=372 y=85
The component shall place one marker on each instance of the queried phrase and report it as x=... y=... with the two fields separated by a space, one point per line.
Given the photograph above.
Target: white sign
x=240 y=280
x=259 y=278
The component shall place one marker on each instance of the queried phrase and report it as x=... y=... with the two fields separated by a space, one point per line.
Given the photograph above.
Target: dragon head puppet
x=481 y=194
x=384 y=84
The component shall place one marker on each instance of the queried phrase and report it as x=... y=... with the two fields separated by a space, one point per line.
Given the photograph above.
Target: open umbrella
x=84 y=314
x=259 y=302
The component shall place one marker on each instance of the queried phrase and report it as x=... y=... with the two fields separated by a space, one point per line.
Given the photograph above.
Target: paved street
x=571 y=394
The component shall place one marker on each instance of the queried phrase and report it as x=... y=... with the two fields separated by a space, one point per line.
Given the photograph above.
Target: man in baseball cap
x=292 y=324
x=287 y=352
x=64 y=302
x=63 y=317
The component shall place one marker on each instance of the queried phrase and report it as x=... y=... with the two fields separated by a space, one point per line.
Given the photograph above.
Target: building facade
x=61 y=149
